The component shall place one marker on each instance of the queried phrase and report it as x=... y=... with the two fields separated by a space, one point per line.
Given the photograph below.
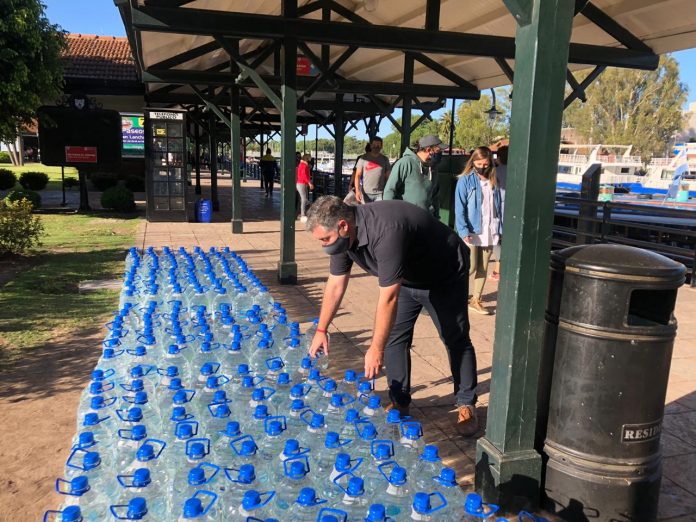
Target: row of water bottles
x=204 y=406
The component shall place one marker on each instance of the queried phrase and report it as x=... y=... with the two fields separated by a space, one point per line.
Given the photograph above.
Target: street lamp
x=493 y=112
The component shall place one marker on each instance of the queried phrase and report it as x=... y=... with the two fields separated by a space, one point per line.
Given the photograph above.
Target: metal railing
x=667 y=231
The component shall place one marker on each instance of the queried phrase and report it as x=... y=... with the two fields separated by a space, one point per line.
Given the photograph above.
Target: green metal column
x=339 y=138
x=406 y=104
x=235 y=141
x=212 y=147
x=197 y=137
x=287 y=267
x=508 y=469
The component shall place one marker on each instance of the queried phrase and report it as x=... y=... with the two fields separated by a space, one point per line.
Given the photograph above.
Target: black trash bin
x=613 y=350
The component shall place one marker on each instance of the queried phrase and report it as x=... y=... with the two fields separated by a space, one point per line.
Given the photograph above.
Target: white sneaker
x=303 y=219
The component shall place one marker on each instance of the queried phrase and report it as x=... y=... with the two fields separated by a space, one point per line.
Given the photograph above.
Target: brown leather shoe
x=467 y=422
x=403 y=410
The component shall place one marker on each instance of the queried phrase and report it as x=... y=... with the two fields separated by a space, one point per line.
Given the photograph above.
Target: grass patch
x=54 y=179
x=42 y=302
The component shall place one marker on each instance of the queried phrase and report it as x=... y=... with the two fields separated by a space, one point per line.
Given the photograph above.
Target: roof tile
x=99 y=57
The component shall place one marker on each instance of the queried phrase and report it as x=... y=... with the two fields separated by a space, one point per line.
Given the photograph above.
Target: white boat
x=660 y=171
x=619 y=166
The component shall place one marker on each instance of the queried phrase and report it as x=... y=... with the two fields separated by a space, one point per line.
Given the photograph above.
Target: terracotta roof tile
x=99 y=58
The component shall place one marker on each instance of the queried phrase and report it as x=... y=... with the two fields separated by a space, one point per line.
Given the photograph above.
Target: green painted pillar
x=508 y=469
x=339 y=138
x=212 y=147
x=406 y=104
x=287 y=267
x=235 y=150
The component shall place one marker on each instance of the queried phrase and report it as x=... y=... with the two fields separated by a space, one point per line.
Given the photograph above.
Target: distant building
x=689 y=131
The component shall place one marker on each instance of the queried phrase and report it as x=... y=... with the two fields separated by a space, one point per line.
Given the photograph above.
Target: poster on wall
x=133 y=130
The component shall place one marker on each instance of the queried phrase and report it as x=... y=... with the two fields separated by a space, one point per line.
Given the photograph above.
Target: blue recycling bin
x=204 y=211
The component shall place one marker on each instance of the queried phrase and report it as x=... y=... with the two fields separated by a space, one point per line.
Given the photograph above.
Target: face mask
x=435 y=158
x=337 y=247
x=480 y=170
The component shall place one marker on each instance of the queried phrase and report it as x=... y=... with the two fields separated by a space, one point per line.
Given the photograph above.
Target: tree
x=631 y=107
x=30 y=60
x=474 y=128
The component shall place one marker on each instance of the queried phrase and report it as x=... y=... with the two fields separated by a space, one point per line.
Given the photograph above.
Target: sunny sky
x=101 y=17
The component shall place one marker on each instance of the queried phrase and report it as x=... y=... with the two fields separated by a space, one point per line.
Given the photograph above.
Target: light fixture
x=493 y=112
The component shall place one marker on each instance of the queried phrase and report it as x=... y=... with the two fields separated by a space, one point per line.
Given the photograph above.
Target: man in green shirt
x=413 y=177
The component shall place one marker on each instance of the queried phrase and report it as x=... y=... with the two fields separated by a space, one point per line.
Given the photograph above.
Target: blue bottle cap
x=314 y=374
x=297 y=470
x=137 y=508
x=294 y=343
x=373 y=402
x=243 y=369
x=95 y=387
x=307 y=497
x=247 y=474
x=376 y=513
x=91 y=419
x=232 y=429
x=175 y=384
x=97 y=375
x=473 y=503
x=356 y=487
x=332 y=439
x=262 y=344
x=274 y=428
x=173 y=349
x=136 y=372
x=306 y=363
x=207 y=369
x=342 y=462
x=197 y=451
x=97 y=403
x=222 y=411
x=447 y=477
x=138 y=432
x=71 y=514
x=141 y=477
x=317 y=421
x=430 y=453
x=178 y=413
x=180 y=397
x=85 y=439
x=283 y=378
x=172 y=371
x=220 y=396
x=184 y=431
x=352 y=415
x=79 y=485
x=248 y=448
x=140 y=350
x=196 y=476
x=211 y=382
x=91 y=460
x=393 y=416
x=140 y=398
x=291 y=447
x=145 y=452
x=421 y=503
x=275 y=365
x=108 y=353
x=383 y=452
x=135 y=414
x=369 y=432
x=248 y=381
x=261 y=411
x=297 y=404
x=398 y=476
x=330 y=385
x=251 y=500
x=257 y=395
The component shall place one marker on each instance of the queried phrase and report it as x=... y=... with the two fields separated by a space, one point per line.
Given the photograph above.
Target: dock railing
x=667 y=231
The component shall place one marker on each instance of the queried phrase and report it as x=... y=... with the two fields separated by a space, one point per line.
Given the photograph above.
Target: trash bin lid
x=625 y=260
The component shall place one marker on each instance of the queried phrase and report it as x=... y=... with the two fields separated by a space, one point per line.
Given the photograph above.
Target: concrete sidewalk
x=432 y=387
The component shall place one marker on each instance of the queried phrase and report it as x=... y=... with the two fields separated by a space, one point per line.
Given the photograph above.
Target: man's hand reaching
x=373 y=362
x=320 y=343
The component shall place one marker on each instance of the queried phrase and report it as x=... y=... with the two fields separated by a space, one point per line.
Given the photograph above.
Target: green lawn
x=42 y=302
x=54 y=180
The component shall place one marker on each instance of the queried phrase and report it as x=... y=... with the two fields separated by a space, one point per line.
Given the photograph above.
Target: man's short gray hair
x=327 y=211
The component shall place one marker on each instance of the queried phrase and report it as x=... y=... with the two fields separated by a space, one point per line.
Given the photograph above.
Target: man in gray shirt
x=373 y=170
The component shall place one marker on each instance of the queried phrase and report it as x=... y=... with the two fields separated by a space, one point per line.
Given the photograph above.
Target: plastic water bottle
x=426 y=504
x=184 y=431
x=88 y=464
x=203 y=476
x=240 y=481
x=377 y=513
x=222 y=452
x=396 y=497
x=382 y=451
x=348 y=428
x=332 y=515
x=294 y=417
x=126 y=447
x=275 y=434
x=373 y=410
x=78 y=492
x=342 y=466
x=141 y=484
x=196 y=451
x=446 y=483
x=355 y=500
x=365 y=433
x=255 y=505
x=335 y=409
x=297 y=477
x=426 y=468
x=411 y=442
x=392 y=426
x=324 y=457
x=315 y=430
x=306 y=506
x=476 y=509
x=202 y=507
x=149 y=455
x=246 y=452
x=69 y=514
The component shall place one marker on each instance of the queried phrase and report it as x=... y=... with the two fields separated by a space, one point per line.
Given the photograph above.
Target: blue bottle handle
x=271 y=359
x=281 y=418
x=269 y=495
x=215 y=468
x=109 y=401
x=341 y=516
x=60 y=481
x=303 y=458
x=482 y=513
x=211 y=496
x=443 y=502
x=111 y=386
x=74 y=452
x=115 y=509
x=237 y=442
x=206 y=443
x=391 y=464
x=118 y=353
x=59 y=515
x=271 y=391
x=386 y=442
x=108 y=373
x=111 y=343
x=155 y=442
x=338 y=477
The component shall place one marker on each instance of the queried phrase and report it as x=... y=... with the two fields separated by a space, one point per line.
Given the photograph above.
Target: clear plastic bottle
x=396 y=496
x=69 y=514
x=202 y=507
x=273 y=441
x=382 y=450
x=204 y=476
x=377 y=513
x=296 y=471
x=475 y=509
x=355 y=500
x=125 y=449
x=426 y=468
x=141 y=484
x=342 y=466
x=88 y=464
x=255 y=505
x=306 y=507
x=427 y=506
x=324 y=457
x=332 y=515
x=446 y=483
x=239 y=481
x=78 y=492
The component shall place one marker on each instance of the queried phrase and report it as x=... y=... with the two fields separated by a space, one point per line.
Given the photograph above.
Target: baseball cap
x=429 y=140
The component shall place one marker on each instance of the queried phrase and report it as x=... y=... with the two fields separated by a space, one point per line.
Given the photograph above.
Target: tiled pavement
x=351 y=330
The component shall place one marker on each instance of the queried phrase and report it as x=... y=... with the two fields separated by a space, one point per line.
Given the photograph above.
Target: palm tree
x=444 y=126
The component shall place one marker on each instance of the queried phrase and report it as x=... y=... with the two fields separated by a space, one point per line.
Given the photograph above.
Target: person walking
x=304 y=184
x=501 y=180
x=269 y=168
x=420 y=263
x=371 y=173
x=478 y=214
x=412 y=178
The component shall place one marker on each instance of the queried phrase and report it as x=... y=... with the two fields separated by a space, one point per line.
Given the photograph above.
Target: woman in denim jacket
x=479 y=217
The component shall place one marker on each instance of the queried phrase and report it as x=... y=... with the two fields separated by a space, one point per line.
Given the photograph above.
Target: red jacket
x=303 y=173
